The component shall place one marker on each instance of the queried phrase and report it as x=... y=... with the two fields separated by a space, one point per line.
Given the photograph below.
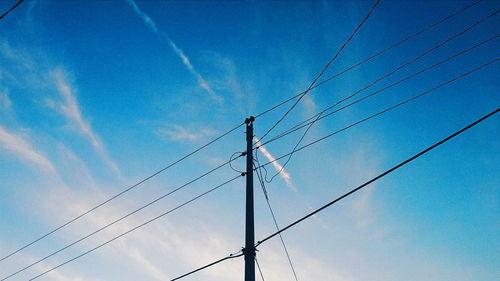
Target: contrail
x=277 y=166
x=202 y=83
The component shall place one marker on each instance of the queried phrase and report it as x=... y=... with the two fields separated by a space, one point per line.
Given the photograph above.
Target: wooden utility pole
x=249 y=250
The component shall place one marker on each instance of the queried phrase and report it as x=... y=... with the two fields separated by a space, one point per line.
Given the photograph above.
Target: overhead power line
x=12 y=8
x=397 y=43
x=122 y=218
x=260 y=270
x=229 y=131
x=136 y=227
x=408 y=160
x=231 y=256
x=264 y=191
x=454 y=14
x=308 y=122
x=379 y=176
x=378 y=80
x=122 y=192
x=384 y=111
x=323 y=71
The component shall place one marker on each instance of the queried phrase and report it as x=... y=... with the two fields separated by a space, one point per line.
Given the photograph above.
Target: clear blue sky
x=96 y=95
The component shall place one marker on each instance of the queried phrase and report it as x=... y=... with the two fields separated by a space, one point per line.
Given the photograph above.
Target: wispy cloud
x=229 y=82
x=180 y=133
x=21 y=57
x=144 y=249
x=283 y=174
x=20 y=147
x=70 y=109
x=202 y=82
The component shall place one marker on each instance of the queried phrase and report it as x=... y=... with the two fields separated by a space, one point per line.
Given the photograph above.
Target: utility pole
x=249 y=250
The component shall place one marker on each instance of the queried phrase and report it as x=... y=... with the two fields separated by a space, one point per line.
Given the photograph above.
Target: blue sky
x=96 y=95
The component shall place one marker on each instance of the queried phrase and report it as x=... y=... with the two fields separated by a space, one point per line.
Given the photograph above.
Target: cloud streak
x=24 y=150
x=284 y=175
x=202 y=82
x=180 y=133
x=70 y=109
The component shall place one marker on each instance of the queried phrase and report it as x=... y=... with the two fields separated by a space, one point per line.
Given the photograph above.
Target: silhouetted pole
x=249 y=250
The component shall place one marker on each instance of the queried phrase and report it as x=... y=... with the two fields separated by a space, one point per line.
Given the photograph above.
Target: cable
x=261 y=167
x=122 y=192
x=260 y=270
x=262 y=184
x=399 y=42
x=231 y=256
x=231 y=160
x=231 y=130
x=383 y=111
x=12 y=8
x=121 y=218
x=361 y=186
x=385 y=173
x=380 y=79
x=136 y=227
x=238 y=126
x=307 y=122
x=373 y=56
x=380 y=176
x=324 y=70
x=314 y=142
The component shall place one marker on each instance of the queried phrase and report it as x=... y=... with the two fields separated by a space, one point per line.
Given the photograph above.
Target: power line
x=384 y=111
x=122 y=218
x=228 y=132
x=376 y=81
x=372 y=116
x=391 y=108
x=231 y=256
x=365 y=119
x=307 y=145
x=307 y=122
x=323 y=71
x=12 y=8
x=399 y=43
x=260 y=270
x=231 y=159
x=136 y=227
x=262 y=184
x=374 y=56
x=380 y=176
x=123 y=192
x=361 y=186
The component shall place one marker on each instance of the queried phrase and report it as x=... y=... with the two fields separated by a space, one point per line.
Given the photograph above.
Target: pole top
x=249 y=120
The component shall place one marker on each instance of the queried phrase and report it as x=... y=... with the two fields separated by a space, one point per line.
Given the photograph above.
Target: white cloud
x=70 y=109
x=202 y=82
x=22 y=148
x=180 y=133
x=147 y=20
x=283 y=174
